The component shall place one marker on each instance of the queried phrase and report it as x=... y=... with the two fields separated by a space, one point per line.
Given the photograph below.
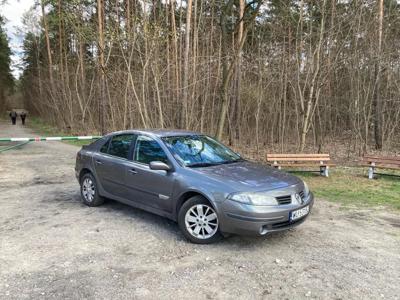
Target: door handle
x=99 y=162
x=132 y=171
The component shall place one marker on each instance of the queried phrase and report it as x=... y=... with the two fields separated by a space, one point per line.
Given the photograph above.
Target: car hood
x=249 y=176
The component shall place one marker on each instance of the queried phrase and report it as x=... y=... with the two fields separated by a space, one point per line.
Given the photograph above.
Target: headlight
x=260 y=198
x=306 y=189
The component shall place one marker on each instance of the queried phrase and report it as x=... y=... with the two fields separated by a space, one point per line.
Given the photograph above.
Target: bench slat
x=302 y=165
x=389 y=167
x=317 y=159
x=300 y=155
x=382 y=157
x=384 y=164
x=382 y=161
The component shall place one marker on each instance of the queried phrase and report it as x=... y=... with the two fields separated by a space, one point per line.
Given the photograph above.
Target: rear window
x=120 y=145
x=104 y=148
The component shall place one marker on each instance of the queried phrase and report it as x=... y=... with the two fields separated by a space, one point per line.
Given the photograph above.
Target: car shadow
x=166 y=228
x=142 y=216
x=173 y=230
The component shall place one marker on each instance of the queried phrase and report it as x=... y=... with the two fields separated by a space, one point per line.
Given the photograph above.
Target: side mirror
x=159 y=165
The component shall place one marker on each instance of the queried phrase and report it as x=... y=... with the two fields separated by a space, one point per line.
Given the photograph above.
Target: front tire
x=89 y=191
x=198 y=221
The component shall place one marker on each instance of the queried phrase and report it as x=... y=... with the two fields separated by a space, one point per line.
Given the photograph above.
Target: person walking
x=23 y=116
x=13 y=116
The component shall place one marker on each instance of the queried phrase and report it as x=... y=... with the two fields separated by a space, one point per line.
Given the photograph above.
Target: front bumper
x=246 y=219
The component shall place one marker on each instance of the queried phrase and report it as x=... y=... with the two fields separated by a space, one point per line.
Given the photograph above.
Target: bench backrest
x=298 y=157
x=382 y=160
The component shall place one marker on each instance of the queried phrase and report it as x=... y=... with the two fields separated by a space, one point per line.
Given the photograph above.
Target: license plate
x=297 y=214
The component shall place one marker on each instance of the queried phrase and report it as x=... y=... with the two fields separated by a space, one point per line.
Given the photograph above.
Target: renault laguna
x=193 y=179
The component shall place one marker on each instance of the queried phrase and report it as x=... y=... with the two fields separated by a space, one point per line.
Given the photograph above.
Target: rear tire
x=198 y=221
x=89 y=191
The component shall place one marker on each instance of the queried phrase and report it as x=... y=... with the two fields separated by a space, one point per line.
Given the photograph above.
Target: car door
x=152 y=188
x=111 y=164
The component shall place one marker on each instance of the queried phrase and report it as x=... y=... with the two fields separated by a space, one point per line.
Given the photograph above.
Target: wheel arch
x=83 y=172
x=186 y=196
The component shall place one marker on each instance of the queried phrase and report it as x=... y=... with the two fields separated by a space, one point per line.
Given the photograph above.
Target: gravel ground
x=52 y=246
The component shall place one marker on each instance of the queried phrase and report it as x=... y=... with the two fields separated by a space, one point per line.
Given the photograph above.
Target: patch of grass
x=79 y=143
x=351 y=187
x=44 y=129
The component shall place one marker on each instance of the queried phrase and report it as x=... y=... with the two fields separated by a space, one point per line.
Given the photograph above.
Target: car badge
x=298 y=199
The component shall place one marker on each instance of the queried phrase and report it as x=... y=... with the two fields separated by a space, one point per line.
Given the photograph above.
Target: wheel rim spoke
x=208 y=229
x=197 y=230
x=192 y=219
x=211 y=217
x=193 y=211
x=200 y=210
x=207 y=210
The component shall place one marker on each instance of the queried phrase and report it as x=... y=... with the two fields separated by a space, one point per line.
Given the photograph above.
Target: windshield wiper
x=208 y=164
x=202 y=164
x=231 y=161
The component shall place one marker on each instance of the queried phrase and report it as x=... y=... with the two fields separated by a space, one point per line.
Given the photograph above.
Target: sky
x=13 y=11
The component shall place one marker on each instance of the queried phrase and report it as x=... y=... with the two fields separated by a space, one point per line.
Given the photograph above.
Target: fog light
x=263 y=230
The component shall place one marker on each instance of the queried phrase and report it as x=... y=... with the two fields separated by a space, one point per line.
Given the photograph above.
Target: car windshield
x=200 y=151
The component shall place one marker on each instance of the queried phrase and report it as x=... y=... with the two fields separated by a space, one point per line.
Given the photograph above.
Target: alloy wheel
x=88 y=189
x=201 y=221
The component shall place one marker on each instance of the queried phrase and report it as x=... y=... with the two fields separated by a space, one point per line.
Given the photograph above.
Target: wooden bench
x=384 y=162
x=301 y=160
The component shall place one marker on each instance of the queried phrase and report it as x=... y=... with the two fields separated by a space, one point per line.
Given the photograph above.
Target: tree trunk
x=238 y=78
x=100 y=20
x=229 y=64
x=377 y=101
x=185 y=98
x=48 y=47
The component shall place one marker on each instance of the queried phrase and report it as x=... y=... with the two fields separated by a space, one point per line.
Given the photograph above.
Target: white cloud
x=13 y=11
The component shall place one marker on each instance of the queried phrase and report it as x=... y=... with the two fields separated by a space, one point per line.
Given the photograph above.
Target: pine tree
x=6 y=78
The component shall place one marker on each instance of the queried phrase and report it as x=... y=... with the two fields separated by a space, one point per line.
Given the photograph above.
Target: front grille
x=282 y=200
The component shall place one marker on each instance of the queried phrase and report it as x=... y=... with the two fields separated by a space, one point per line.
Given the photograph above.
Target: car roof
x=158 y=132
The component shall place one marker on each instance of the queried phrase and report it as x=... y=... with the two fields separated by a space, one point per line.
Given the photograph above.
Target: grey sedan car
x=191 y=178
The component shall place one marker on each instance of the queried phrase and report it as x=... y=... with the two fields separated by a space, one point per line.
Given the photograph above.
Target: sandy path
x=52 y=246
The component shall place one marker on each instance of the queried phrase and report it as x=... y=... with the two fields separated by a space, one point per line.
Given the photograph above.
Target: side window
x=104 y=148
x=120 y=144
x=148 y=150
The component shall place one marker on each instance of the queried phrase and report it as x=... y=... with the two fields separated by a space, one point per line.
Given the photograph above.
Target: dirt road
x=52 y=246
